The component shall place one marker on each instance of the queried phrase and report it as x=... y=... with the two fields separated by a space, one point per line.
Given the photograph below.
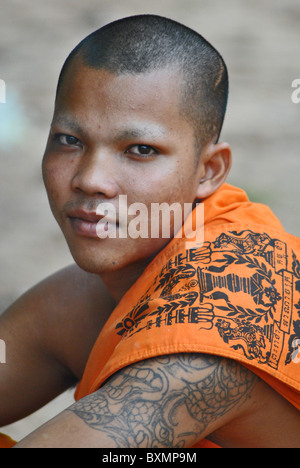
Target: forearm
x=66 y=431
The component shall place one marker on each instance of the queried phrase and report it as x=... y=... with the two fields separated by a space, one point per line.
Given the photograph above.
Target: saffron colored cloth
x=6 y=441
x=237 y=296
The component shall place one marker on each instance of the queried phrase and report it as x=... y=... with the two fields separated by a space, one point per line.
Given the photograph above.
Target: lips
x=88 y=216
x=88 y=224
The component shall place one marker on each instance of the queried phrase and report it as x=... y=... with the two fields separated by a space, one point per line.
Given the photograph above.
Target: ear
x=214 y=166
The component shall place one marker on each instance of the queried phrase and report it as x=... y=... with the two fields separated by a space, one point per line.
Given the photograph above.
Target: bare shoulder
x=49 y=332
x=63 y=313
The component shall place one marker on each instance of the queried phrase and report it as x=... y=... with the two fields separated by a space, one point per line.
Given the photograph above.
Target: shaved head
x=145 y=43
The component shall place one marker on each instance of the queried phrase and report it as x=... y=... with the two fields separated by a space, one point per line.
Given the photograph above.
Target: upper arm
x=175 y=401
x=169 y=401
x=48 y=333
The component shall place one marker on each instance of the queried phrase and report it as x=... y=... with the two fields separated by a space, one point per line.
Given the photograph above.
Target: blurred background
x=260 y=42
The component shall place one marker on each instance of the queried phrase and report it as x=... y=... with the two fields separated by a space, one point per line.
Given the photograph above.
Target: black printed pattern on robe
x=245 y=285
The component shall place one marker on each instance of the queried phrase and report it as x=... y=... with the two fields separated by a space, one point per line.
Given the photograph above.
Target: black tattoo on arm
x=167 y=401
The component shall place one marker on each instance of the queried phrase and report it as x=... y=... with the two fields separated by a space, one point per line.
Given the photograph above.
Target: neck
x=120 y=281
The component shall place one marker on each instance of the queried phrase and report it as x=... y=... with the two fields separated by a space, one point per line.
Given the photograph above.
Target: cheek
x=55 y=178
x=175 y=186
x=187 y=181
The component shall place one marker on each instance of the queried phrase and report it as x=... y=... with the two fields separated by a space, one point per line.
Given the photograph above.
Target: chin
x=108 y=259
x=95 y=266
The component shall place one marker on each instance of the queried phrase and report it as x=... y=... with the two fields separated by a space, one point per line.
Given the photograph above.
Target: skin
x=94 y=154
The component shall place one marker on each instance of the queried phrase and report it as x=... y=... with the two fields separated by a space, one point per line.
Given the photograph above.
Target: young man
x=172 y=342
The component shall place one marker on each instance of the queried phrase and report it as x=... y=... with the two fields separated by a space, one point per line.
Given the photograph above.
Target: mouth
x=91 y=224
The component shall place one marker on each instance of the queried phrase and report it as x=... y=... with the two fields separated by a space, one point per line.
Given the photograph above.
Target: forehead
x=155 y=93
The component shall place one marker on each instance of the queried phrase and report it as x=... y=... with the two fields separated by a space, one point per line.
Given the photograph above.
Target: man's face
x=110 y=136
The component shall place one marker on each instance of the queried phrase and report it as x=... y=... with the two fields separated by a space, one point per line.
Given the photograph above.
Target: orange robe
x=236 y=296
x=6 y=441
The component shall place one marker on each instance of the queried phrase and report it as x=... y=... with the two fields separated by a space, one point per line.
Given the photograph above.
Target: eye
x=66 y=140
x=143 y=151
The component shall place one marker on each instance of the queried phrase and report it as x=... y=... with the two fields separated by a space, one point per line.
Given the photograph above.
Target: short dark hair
x=145 y=43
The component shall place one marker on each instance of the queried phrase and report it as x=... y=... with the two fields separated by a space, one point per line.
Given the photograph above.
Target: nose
x=96 y=175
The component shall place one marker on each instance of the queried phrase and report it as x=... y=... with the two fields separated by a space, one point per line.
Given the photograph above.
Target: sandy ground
x=260 y=41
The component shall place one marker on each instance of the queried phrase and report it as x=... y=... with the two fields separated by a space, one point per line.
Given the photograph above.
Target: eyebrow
x=67 y=122
x=148 y=131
